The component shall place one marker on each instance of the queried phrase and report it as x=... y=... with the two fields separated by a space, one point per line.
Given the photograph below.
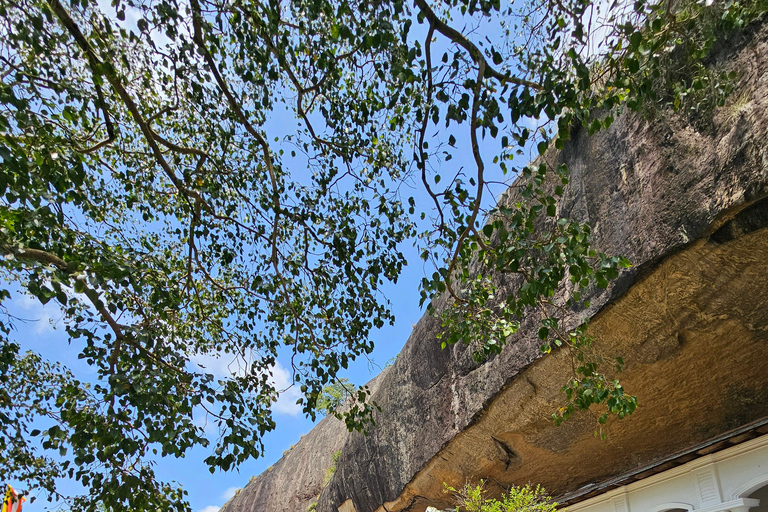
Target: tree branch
x=107 y=120
x=480 y=179
x=477 y=54
x=421 y=156
x=47 y=258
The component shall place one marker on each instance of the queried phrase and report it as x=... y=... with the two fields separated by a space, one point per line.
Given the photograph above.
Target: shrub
x=472 y=498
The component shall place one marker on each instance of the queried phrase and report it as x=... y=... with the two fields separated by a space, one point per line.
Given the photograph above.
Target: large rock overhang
x=696 y=332
x=686 y=203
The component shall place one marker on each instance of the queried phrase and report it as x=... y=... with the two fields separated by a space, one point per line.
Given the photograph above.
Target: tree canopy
x=152 y=188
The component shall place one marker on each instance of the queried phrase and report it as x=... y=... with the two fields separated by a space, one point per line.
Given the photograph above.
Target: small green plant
x=312 y=507
x=331 y=470
x=473 y=498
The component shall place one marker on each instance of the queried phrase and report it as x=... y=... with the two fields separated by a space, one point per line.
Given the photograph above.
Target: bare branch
x=480 y=180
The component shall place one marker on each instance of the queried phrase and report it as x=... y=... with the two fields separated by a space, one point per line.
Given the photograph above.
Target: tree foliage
x=334 y=395
x=151 y=187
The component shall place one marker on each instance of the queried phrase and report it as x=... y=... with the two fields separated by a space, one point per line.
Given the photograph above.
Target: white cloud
x=283 y=382
x=229 y=493
x=209 y=508
x=221 y=365
x=227 y=365
x=44 y=316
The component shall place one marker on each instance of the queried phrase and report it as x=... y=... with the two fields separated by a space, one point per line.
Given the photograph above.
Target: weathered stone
x=688 y=206
x=295 y=481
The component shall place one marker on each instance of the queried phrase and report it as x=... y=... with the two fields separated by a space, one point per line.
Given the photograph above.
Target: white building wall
x=720 y=482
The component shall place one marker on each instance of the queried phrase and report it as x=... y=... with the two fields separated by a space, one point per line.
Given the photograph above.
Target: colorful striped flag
x=11 y=499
